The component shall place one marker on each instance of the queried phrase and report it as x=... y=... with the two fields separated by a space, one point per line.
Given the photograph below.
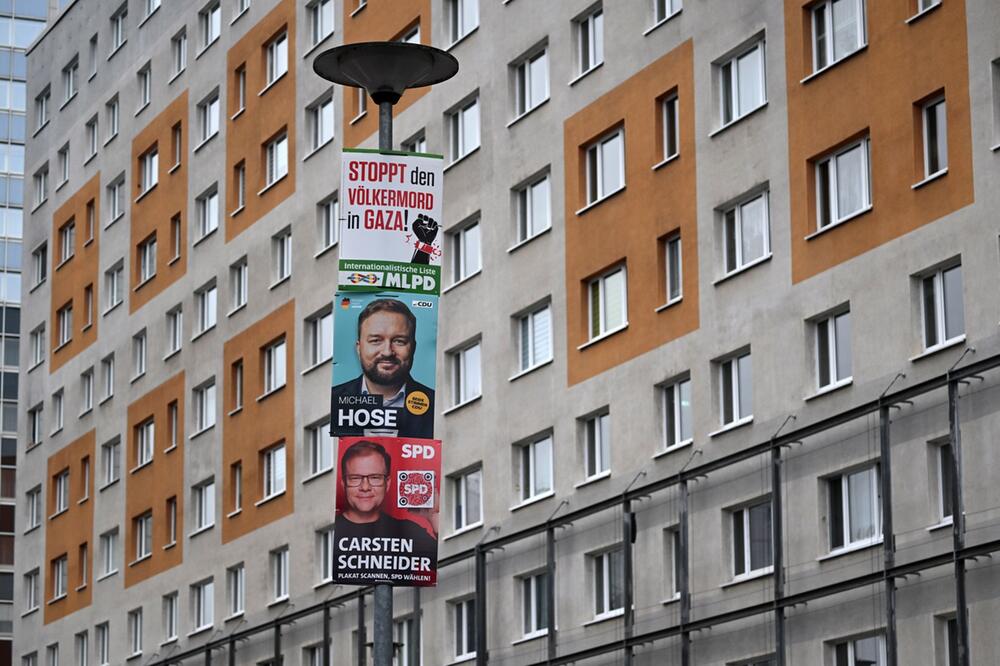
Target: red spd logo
x=414 y=489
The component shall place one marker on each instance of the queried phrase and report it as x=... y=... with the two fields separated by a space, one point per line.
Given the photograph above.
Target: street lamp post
x=385 y=70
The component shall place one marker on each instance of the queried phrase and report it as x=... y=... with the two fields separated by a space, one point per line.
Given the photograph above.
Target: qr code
x=415 y=489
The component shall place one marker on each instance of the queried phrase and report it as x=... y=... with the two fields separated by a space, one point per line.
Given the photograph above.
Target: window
x=674 y=272
x=144 y=442
x=82 y=644
x=143 y=526
x=463 y=129
x=235 y=589
x=59 y=573
x=207 y=206
x=238 y=278
x=144 y=78
x=736 y=389
x=274 y=366
x=671 y=128
x=277 y=159
x=240 y=185
x=241 y=88
x=67 y=241
x=838 y=30
x=534 y=211
x=204 y=504
x=279 y=573
x=531 y=82
x=941 y=304
x=463 y=18
x=319 y=338
x=61 y=491
x=70 y=78
x=833 y=349
x=321 y=121
x=114 y=285
x=57 y=410
x=597 y=445
x=31 y=590
x=210 y=22
x=40 y=182
x=281 y=250
x=175 y=330
x=328 y=215
x=672 y=549
x=208 y=117
x=535 y=338
x=118 y=27
x=466 y=374
x=108 y=376
x=606 y=166
x=664 y=9
x=416 y=144
x=536 y=468
x=102 y=640
x=855 y=508
x=590 y=40
x=945 y=457
x=203 y=604
x=205 y=300
x=609 y=582
x=843 y=186
x=751 y=539
x=139 y=354
x=465 y=628
x=274 y=471
x=135 y=632
x=171 y=520
x=320 y=444
x=935 y=137
x=65 y=317
x=742 y=85
x=177 y=143
x=277 y=58
x=87 y=390
x=35 y=425
x=467 y=499
x=465 y=250
x=324 y=553
x=173 y=425
x=116 y=199
x=38 y=345
x=746 y=232
x=608 y=302
x=111 y=117
x=147 y=259
x=535 y=604
x=42 y=109
x=170 y=603
x=149 y=165
x=90 y=132
x=63 y=155
x=320 y=20
x=204 y=406
x=868 y=651
x=110 y=461
x=52 y=655
x=236 y=477
x=152 y=6
x=33 y=508
x=178 y=51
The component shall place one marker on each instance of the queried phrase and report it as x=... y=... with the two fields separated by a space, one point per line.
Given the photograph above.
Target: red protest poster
x=388 y=497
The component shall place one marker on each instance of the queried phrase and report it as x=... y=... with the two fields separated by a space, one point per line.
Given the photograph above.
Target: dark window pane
x=836 y=514
x=8 y=451
x=8 y=485
x=9 y=385
x=760 y=536
x=6 y=587
x=947 y=481
x=7 y=518
x=7 y=549
x=12 y=321
x=739 y=550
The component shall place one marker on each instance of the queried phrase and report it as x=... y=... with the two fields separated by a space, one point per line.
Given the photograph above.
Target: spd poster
x=390 y=221
x=388 y=497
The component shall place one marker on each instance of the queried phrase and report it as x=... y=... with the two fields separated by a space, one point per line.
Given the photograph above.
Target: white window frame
x=111 y=112
x=111 y=461
x=674 y=262
x=528 y=453
x=734 y=231
x=321 y=450
x=532 y=353
x=670 y=107
x=831 y=347
x=825 y=53
x=147 y=259
x=239 y=275
x=109 y=552
x=236 y=590
x=145 y=442
x=40 y=182
x=87 y=390
x=33 y=508
x=210 y=24
x=170 y=616
x=277 y=58
x=463 y=122
x=108 y=376
x=143 y=536
x=324 y=554
x=463 y=19
x=595 y=168
x=275 y=366
x=206 y=300
x=319 y=338
x=274 y=478
x=281 y=250
x=31 y=596
x=203 y=604
x=322 y=21
x=828 y=201
x=175 y=330
x=178 y=52
x=742 y=406
x=102 y=643
x=466 y=260
x=144 y=77
x=205 y=406
x=466 y=373
x=91 y=137
x=464 y=613
x=590 y=41
x=742 y=515
x=118 y=28
x=664 y=9
x=139 y=348
x=207 y=207
x=67 y=241
x=204 y=505
x=600 y=284
x=934 y=121
x=135 y=632
x=527 y=225
x=65 y=320
x=596 y=431
x=62 y=491
x=533 y=588
x=321 y=121
x=149 y=167
x=605 y=565
x=328 y=217
x=843 y=479
x=934 y=307
x=678 y=420
x=70 y=77
x=208 y=117
x=730 y=88
x=849 y=651
x=276 y=153
x=279 y=574
x=525 y=74
x=467 y=514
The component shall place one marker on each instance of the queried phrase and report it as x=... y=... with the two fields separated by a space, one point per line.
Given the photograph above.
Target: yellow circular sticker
x=417 y=403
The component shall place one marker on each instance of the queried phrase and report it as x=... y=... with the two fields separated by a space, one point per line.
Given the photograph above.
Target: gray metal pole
x=482 y=654
x=382 y=651
x=684 y=575
x=362 y=632
x=888 y=537
x=958 y=524
x=629 y=617
x=550 y=584
x=778 y=531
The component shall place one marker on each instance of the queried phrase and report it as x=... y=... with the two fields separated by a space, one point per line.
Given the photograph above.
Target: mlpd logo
x=366 y=278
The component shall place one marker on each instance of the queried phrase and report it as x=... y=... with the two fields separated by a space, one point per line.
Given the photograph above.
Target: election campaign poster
x=388 y=497
x=384 y=356
x=390 y=226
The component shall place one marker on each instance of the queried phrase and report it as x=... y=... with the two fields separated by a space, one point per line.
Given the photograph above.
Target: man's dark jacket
x=407 y=424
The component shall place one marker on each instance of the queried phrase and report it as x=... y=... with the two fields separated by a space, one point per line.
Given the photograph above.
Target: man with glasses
x=369 y=542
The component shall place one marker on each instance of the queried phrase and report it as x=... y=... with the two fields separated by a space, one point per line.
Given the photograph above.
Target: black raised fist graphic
x=426 y=230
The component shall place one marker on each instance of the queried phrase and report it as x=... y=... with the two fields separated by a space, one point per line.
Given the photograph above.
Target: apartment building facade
x=718 y=335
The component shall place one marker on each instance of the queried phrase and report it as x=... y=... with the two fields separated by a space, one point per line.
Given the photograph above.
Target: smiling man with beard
x=386 y=346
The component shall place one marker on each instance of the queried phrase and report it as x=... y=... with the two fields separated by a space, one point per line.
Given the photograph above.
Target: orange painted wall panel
x=67 y=532
x=380 y=20
x=874 y=93
x=263 y=421
x=148 y=488
x=269 y=112
x=154 y=211
x=630 y=225
x=71 y=278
